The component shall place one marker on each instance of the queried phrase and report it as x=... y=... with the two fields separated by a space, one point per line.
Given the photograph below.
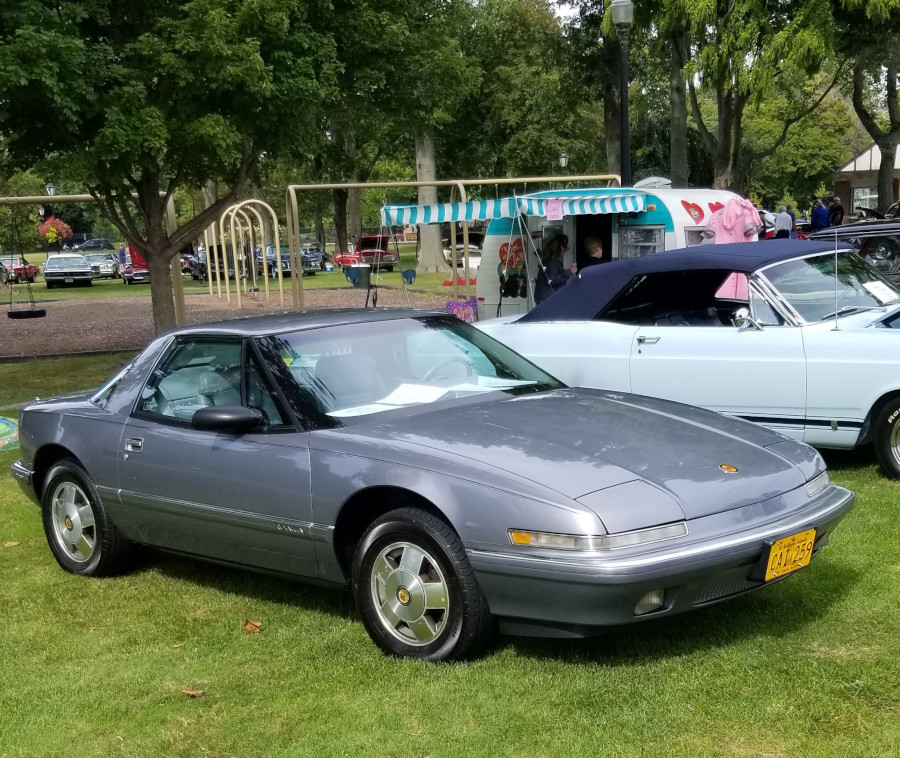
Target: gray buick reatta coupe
x=455 y=487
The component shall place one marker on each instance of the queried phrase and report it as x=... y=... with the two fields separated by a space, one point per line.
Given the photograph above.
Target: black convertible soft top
x=594 y=287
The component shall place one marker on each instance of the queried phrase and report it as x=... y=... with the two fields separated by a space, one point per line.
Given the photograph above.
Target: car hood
x=578 y=441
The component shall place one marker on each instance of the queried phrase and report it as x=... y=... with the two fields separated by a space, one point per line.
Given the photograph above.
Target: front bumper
x=570 y=596
x=69 y=277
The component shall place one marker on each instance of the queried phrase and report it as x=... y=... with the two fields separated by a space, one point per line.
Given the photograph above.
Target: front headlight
x=524 y=538
x=815 y=486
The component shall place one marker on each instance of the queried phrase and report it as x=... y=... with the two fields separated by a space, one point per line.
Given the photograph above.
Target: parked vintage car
x=136 y=270
x=371 y=250
x=878 y=240
x=200 y=268
x=395 y=452
x=312 y=261
x=61 y=269
x=98 y=243
x=14 y=268
x=104 y=265
x=764 y=331
x=476 y=242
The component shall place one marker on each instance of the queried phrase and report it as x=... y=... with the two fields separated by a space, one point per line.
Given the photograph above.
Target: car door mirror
x=227 y=418
x=743 y=320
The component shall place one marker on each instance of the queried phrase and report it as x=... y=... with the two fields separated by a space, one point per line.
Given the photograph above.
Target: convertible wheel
x=415 y=590
x=887 y=438
x=81 y=536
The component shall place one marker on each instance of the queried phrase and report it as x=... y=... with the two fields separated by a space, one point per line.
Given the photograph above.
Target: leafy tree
x=744 y=52
x=138 y=100
x=814 y=150
x=869 y=36
x=19 y=223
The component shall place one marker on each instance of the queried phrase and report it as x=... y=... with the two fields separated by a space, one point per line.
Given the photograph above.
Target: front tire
x=82 y=538
x=415 y=590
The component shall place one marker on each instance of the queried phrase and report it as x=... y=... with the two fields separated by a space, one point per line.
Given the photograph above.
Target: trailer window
x=635 y=241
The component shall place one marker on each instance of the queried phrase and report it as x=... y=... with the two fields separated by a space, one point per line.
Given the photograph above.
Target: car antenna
x=837 y=328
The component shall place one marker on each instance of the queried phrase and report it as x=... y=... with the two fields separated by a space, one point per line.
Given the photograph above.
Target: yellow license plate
x=790 y=554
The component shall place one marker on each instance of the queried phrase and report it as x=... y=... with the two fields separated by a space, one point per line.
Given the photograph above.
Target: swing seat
x=409 y=276
x=27 y=313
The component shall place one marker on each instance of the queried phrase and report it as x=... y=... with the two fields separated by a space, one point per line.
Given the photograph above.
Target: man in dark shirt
x=820 y=216
x=836 y=212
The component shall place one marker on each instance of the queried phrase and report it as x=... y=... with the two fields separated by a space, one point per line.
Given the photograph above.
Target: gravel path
x=126 y=323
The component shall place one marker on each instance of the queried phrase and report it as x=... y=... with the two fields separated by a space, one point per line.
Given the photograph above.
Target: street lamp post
x=622 y=15
x=563 y=161
x=51 y=191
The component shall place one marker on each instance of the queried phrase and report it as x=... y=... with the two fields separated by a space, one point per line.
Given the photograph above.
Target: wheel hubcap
x=410 y=593
x=72 y=520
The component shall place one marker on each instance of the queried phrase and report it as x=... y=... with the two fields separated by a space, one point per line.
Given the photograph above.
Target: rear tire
x=82 y=538
x=887 y=438
x=415 y=590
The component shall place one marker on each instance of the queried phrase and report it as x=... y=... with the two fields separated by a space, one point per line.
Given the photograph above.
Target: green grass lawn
x=809 y=667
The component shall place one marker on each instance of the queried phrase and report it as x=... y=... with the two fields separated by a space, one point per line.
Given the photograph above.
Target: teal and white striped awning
x=584 y=205
x=510 y=207
x=474 y=210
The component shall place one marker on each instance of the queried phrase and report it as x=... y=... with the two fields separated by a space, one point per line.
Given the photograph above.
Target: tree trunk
x=678 y=159
x=888 y=149
x=353 y=208
x=612 y=130
x=161 y=292
x=431 y=257
x=339 y=198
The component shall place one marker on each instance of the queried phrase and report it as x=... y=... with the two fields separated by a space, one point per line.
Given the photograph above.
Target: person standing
x=594 y=248
x=783 y=223
x=790 y=212
x=836 y=212
x=553 y=273
x=820 y=217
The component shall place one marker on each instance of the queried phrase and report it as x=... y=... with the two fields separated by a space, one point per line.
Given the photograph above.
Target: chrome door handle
x=647 y=340
x=134 y=444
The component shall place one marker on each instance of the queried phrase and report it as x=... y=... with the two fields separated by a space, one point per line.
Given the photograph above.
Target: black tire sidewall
x=102 y=561
x=393 y=528
x=888 y=420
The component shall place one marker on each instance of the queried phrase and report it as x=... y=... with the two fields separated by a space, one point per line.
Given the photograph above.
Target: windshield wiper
x=848 y=309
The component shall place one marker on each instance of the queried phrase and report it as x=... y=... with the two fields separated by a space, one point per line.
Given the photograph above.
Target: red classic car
x=371 y=249
x=14 y=268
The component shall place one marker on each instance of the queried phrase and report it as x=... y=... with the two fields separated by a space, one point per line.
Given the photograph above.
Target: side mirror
x=743 y=320
x=227 y=418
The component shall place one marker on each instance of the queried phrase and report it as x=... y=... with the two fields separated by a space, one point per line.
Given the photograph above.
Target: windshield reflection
x=378 y=366
x=816 y=293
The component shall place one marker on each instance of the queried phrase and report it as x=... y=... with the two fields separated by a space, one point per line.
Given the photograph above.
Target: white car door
x=758 y=374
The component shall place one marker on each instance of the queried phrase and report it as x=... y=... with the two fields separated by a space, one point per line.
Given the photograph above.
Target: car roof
x=877 y=227
x=259 y=326
x=596 y=286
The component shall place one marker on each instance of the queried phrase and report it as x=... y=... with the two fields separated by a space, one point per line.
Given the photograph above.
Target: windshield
x=66 y=261
x=98 y=258
x=811 y=287
x=378 y=366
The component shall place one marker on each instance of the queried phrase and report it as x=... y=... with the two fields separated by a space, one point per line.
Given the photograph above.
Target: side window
x=260 y=396
x=762 y=312
x=194 y=373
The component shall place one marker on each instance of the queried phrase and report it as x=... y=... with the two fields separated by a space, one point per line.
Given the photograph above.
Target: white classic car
x=767 y=331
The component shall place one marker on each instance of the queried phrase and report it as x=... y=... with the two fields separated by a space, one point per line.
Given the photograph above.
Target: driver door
x=241 y=497
x=757 y=374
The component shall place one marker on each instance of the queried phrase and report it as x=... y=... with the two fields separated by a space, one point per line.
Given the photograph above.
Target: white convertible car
x=803 y=337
